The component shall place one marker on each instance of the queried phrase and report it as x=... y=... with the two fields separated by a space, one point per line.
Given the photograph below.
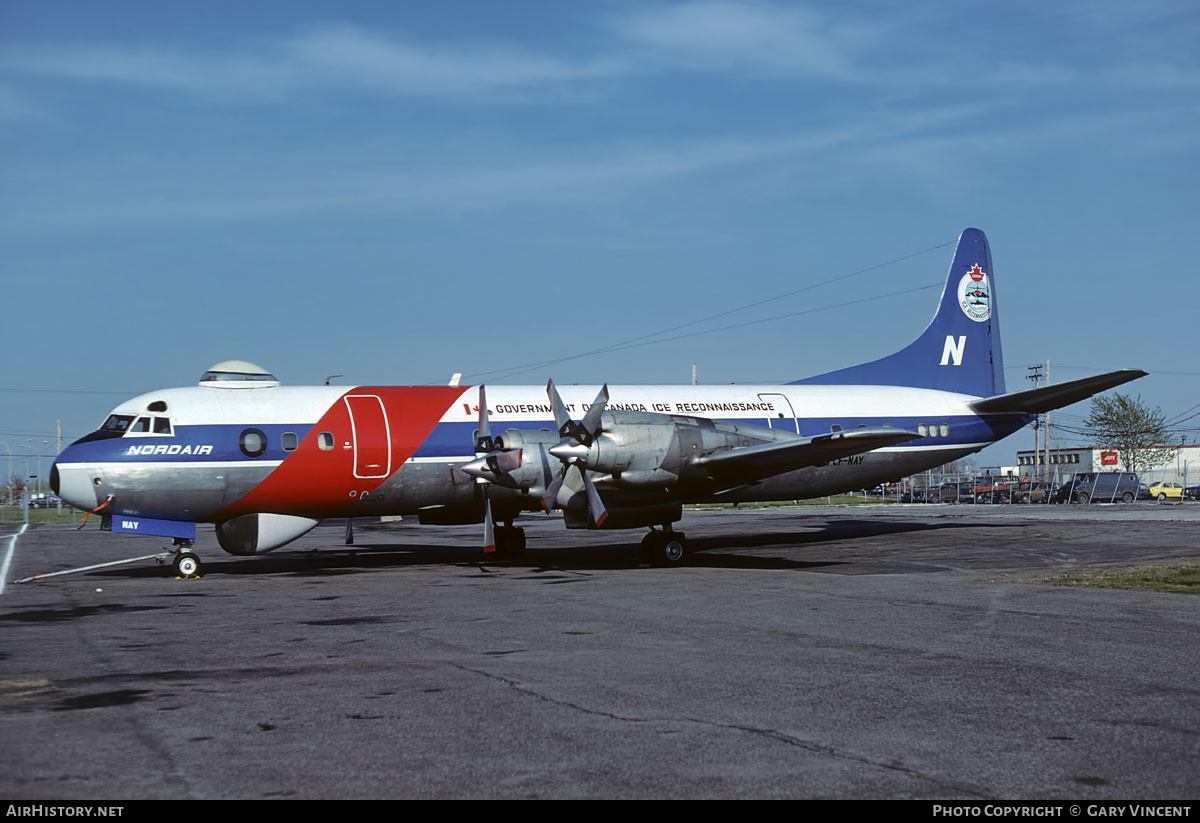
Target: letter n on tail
x=953 y=351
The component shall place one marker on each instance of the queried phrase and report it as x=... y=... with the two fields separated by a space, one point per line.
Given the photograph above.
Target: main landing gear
x=665 y=548
x=510 y=542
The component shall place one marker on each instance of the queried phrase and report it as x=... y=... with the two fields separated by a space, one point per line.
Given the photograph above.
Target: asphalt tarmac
x=846 y=652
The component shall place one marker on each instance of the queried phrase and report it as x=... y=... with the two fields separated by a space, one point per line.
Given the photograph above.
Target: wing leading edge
x=750 y=463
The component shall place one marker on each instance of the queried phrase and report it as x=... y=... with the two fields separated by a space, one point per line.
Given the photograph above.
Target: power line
x=515 y=370
x=646 y=339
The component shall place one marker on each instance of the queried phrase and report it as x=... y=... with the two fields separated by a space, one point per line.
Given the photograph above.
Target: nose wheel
x=186 y=565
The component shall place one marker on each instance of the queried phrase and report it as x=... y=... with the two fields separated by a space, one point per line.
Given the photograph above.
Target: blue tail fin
x=960 y=350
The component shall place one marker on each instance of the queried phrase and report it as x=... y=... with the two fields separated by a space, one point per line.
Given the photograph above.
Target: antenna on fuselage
x=330 y=377
x=454 y=378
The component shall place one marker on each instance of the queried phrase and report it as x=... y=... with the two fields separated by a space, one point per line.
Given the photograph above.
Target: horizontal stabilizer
x=768 y=459
x=1049 y=398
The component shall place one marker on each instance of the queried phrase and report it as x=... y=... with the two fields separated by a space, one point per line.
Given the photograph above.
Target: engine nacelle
x=636 y=442
x=260 y=533
x=576 y=516
x=647 y=449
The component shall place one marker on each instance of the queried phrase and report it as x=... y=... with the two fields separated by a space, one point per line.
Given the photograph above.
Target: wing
x=766 y=459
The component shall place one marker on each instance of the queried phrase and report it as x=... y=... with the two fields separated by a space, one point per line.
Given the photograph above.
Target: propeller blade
x=489 y=538
x=483 y=435
x=595 y=504
x=591 y=420
x=562 y=418
x=551 y=495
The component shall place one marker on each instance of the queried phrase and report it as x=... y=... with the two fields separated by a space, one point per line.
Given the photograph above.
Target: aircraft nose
x=74 y=485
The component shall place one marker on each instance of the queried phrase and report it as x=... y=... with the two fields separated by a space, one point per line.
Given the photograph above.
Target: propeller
x=491 y=465
x=572 y=449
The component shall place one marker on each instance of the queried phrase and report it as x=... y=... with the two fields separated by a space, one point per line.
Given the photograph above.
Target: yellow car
x=1162 y=492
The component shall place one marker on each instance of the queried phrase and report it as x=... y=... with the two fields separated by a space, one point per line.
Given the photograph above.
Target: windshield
x=118 y=423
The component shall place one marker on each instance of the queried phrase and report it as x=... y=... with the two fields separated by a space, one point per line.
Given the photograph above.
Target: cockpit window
x=162 y=425
x=141 y=426
x=157 y=406
x=117 y=423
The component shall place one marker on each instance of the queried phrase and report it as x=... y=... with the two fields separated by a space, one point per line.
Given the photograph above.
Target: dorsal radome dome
x=238 y=374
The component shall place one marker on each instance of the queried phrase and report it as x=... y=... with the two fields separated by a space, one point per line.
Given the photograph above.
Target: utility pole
x=1046 y=462
x=1036 y=377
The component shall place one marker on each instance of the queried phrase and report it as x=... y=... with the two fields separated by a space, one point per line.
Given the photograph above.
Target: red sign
x=1108 y=458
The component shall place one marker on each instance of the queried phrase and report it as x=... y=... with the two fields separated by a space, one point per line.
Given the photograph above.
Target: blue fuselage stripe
x=449 y=439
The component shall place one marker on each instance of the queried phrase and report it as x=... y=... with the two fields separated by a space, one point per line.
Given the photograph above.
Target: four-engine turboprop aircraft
x=265 y=462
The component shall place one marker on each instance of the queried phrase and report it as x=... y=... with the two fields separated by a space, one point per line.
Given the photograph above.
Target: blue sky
x=396 y=192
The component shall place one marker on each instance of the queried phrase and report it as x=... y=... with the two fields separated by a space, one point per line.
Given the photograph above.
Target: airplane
x=265 y=462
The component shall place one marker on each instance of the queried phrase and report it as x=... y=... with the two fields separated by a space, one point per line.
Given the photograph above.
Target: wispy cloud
x=392 y=64
x=325 y=57
x=895 y=54
x=449 y=184
x=715 y=34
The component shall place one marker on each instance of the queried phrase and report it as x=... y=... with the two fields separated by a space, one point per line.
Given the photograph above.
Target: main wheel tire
x=665 y=549
x=187 y=565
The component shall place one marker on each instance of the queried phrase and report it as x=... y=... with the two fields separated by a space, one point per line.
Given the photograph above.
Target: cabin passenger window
x=325 y=441
x=945 y=430
x=252 y=442
x=288 y=441
x=835 y=428
x=921 y=430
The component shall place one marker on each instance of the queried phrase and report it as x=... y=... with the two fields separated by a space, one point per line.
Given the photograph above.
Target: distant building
x=1184 y=468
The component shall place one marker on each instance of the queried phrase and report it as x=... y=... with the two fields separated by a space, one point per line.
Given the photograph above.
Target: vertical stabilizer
x=960 y=349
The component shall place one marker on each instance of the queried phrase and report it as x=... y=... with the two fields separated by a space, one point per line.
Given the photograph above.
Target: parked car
x=1191 y=492
x=1038 y=493
x=951 y=492
x=1099 y=487
x=1163 y=491
x=994 y=491
x=43 y=501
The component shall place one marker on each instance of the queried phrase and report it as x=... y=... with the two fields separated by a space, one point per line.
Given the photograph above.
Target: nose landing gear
x=185 y=563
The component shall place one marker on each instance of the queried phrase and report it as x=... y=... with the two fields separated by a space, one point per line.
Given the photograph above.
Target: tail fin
x=960 y=349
